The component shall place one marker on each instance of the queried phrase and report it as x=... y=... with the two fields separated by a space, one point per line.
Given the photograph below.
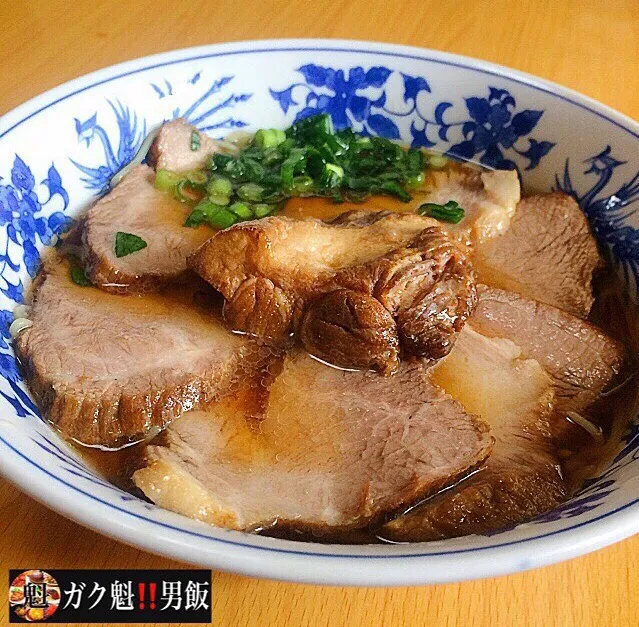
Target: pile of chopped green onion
x=308 y=159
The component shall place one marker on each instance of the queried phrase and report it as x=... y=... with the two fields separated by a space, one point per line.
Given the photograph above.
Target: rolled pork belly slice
x=360 y=288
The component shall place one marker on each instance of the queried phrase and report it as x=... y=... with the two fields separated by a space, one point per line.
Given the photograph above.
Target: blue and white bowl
x=59 y=150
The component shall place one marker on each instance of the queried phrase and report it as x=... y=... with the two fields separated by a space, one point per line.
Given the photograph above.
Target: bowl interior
x=63 y=147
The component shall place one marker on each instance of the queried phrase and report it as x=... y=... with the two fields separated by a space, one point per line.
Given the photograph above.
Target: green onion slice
x=127 y=243
x=262 y=210
x=79 y=275
x=207 y=212
x=166 y=180
x=251 y=192
x=220 y=186
x=242 y=210
x=269 y=137
x=450 y=212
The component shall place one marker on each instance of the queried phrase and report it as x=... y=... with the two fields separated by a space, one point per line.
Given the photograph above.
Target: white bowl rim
x=289 y=562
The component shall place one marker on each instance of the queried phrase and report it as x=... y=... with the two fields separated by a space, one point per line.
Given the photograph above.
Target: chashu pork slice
x=135 y=206
x=488 y=197
x=540 y=247
x=176 y=149
x=333 y=450
x=105 y=369
x=548 y=254
x=521 y=366
x=580 y=358
x=358 y=289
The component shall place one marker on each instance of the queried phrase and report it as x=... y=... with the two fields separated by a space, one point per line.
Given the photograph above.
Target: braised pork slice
x=176 y=149
x=580 y=358
x=135 y=206
x=106 y=368
x=361 y=287
x=540 y=247
x=489 y=199
x=427 y=287
x=333 y=450
x=521 y=366
x=548 y=254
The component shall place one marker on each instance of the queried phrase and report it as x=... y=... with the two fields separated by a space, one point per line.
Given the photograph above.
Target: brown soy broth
x=116 y=467
x=580 y=455
x=615 y=313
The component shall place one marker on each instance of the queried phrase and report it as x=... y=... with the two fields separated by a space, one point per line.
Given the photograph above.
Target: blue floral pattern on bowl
x=608 y=211
x=489 y=127
x=27 y=225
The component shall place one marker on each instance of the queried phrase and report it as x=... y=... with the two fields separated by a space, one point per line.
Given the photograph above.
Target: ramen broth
x=583 y=454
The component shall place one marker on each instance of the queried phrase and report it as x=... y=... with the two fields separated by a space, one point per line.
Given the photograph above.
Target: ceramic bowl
x=59 y=150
